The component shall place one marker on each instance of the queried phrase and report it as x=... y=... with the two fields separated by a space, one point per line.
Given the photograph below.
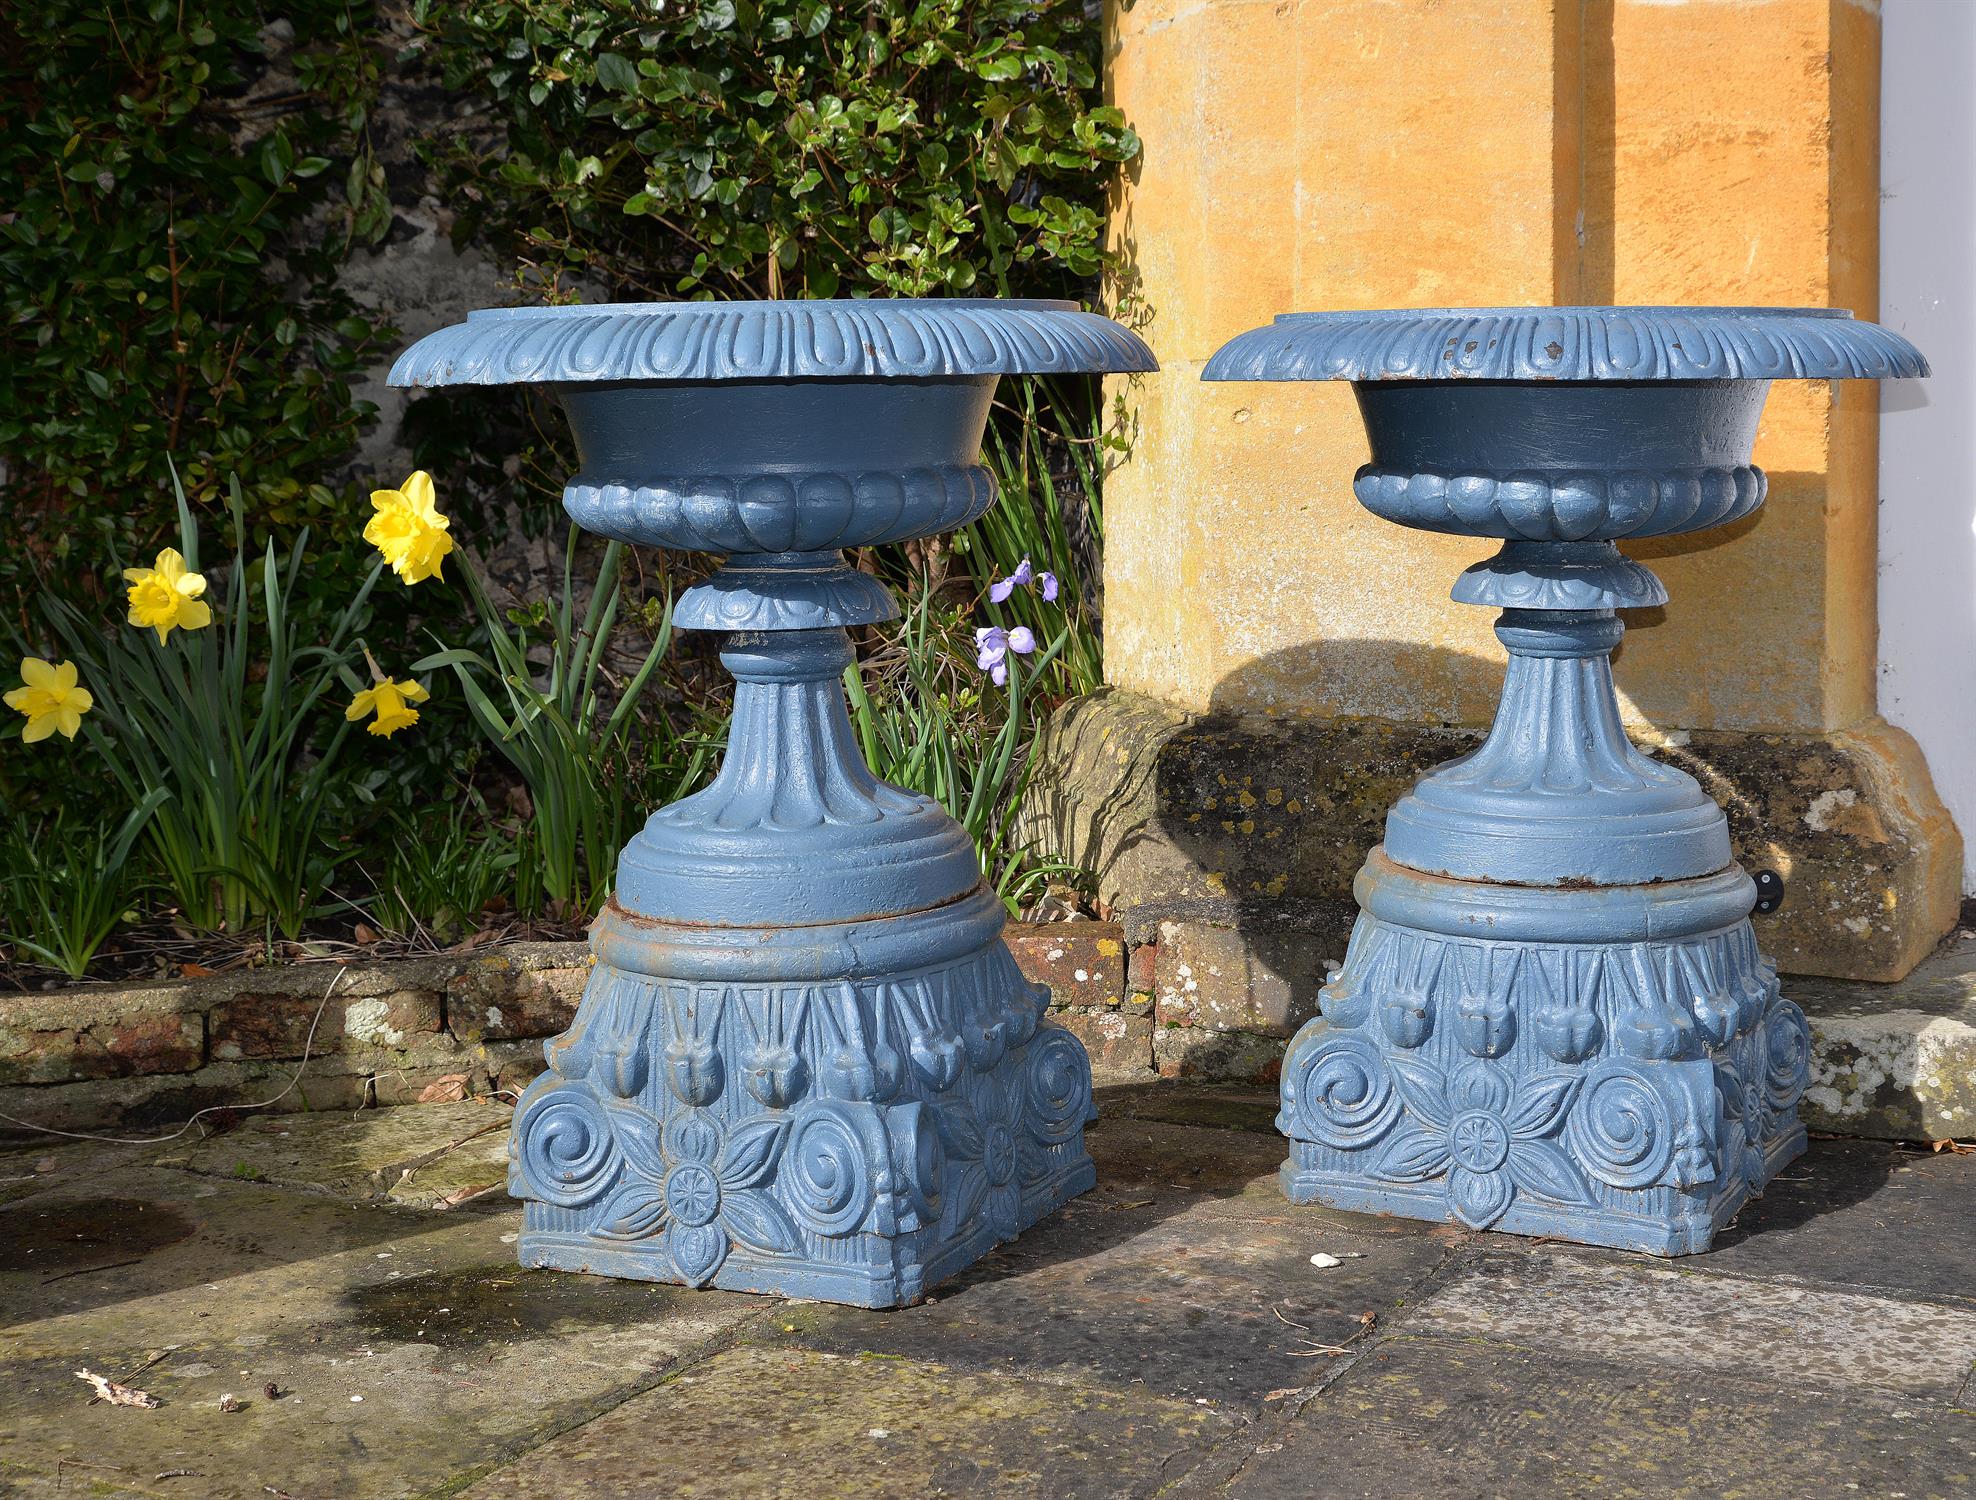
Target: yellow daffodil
x=391 y=702
x=166 y=597
x=408 y=529
x=50 y=698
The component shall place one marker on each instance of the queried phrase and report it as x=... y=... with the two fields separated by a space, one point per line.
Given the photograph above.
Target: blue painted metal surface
x=1552 y=1017
x=806 y=1062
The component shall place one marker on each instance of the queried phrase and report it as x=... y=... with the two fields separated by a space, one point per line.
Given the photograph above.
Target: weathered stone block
x=515 y=994
x=1120 y=1045
x=513 y=1066
x=1083 y=963
x=1264 y=979
x=1259 y=822
x=1896 y=1061
x=272 y=1024
x=1199 y=1052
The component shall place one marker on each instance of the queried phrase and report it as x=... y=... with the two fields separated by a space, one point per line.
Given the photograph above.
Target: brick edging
x=1199 y=1001
x=393 y=1031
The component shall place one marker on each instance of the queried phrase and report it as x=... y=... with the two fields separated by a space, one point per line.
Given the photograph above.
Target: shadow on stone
x=1861 y=1212
x=1231 y=838
x=1183 y=1274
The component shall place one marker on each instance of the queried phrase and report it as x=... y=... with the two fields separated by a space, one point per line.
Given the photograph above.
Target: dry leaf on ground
x=117 y=1395
x=448 y=1089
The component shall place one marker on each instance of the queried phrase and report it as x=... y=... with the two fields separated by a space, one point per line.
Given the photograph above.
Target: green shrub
x=436 y=875
x=183 y=192
x=65 y=882
x=926 y=720
x=568 y=731
x=751 y=148
x=167 y=251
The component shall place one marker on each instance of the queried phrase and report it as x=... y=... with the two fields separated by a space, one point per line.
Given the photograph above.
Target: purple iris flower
x=993 y=644
x=1001 y=588
x=1049 y=585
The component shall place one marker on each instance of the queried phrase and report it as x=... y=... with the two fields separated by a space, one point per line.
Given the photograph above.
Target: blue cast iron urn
x=806 y=1062
x=1552 y=1016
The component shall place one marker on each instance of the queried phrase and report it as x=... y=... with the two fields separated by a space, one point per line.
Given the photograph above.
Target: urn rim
x=875 y=338
x=1612 y=344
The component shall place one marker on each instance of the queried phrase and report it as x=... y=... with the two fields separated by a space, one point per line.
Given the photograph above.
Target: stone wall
x=1178 y=999
x=402 y=1031
x=1261 y=823
x=398 y=1031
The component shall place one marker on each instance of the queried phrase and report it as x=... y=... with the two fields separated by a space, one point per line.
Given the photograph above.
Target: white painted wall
x=1928 y=427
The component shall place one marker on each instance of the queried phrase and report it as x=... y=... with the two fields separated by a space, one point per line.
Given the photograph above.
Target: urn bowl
x=765 y=428
x=1566 y=424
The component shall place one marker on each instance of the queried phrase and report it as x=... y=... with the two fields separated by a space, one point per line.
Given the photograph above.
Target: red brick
x=38 y=1048
x=1083 y=963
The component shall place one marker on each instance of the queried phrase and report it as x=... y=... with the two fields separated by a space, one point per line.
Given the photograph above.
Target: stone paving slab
x=1637 y=1315
x=1222 y=1172
x=408 y=1346
x=27 y=1169
x=1425 y=1416
x=430 y=1156
x=1862 y=1213
x=798 y=1424
x=1182 y=1304
x=1150 y=1339
x=1215 y=1107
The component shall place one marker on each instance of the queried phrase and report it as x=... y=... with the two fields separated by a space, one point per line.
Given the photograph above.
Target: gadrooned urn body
x=777 y=434
x=1561 y=431
x=1553 y=1016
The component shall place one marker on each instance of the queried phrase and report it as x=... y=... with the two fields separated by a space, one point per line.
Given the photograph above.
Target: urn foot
x=853 y=1112
x=1613 y=1066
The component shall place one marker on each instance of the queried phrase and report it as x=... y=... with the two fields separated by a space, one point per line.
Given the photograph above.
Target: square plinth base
x=877 y=1271
x=1628 y=1094
x=857 y=1138
x=1660 y=1223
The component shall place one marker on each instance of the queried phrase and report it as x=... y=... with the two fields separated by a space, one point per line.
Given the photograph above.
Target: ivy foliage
x=798 y=148
x=183 y=177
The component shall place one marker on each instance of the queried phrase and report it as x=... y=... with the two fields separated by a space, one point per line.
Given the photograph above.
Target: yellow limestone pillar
x=1283 y=661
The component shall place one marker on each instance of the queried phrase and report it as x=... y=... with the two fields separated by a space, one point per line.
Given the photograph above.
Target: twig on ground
x=88 y=1270
x=162 y=1354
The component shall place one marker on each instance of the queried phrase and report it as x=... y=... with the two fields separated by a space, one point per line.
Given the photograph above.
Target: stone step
x=1895 y=1061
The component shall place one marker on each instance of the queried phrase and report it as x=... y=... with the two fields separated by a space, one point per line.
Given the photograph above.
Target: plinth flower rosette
x=1552 y=1016
x=806 y=1062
